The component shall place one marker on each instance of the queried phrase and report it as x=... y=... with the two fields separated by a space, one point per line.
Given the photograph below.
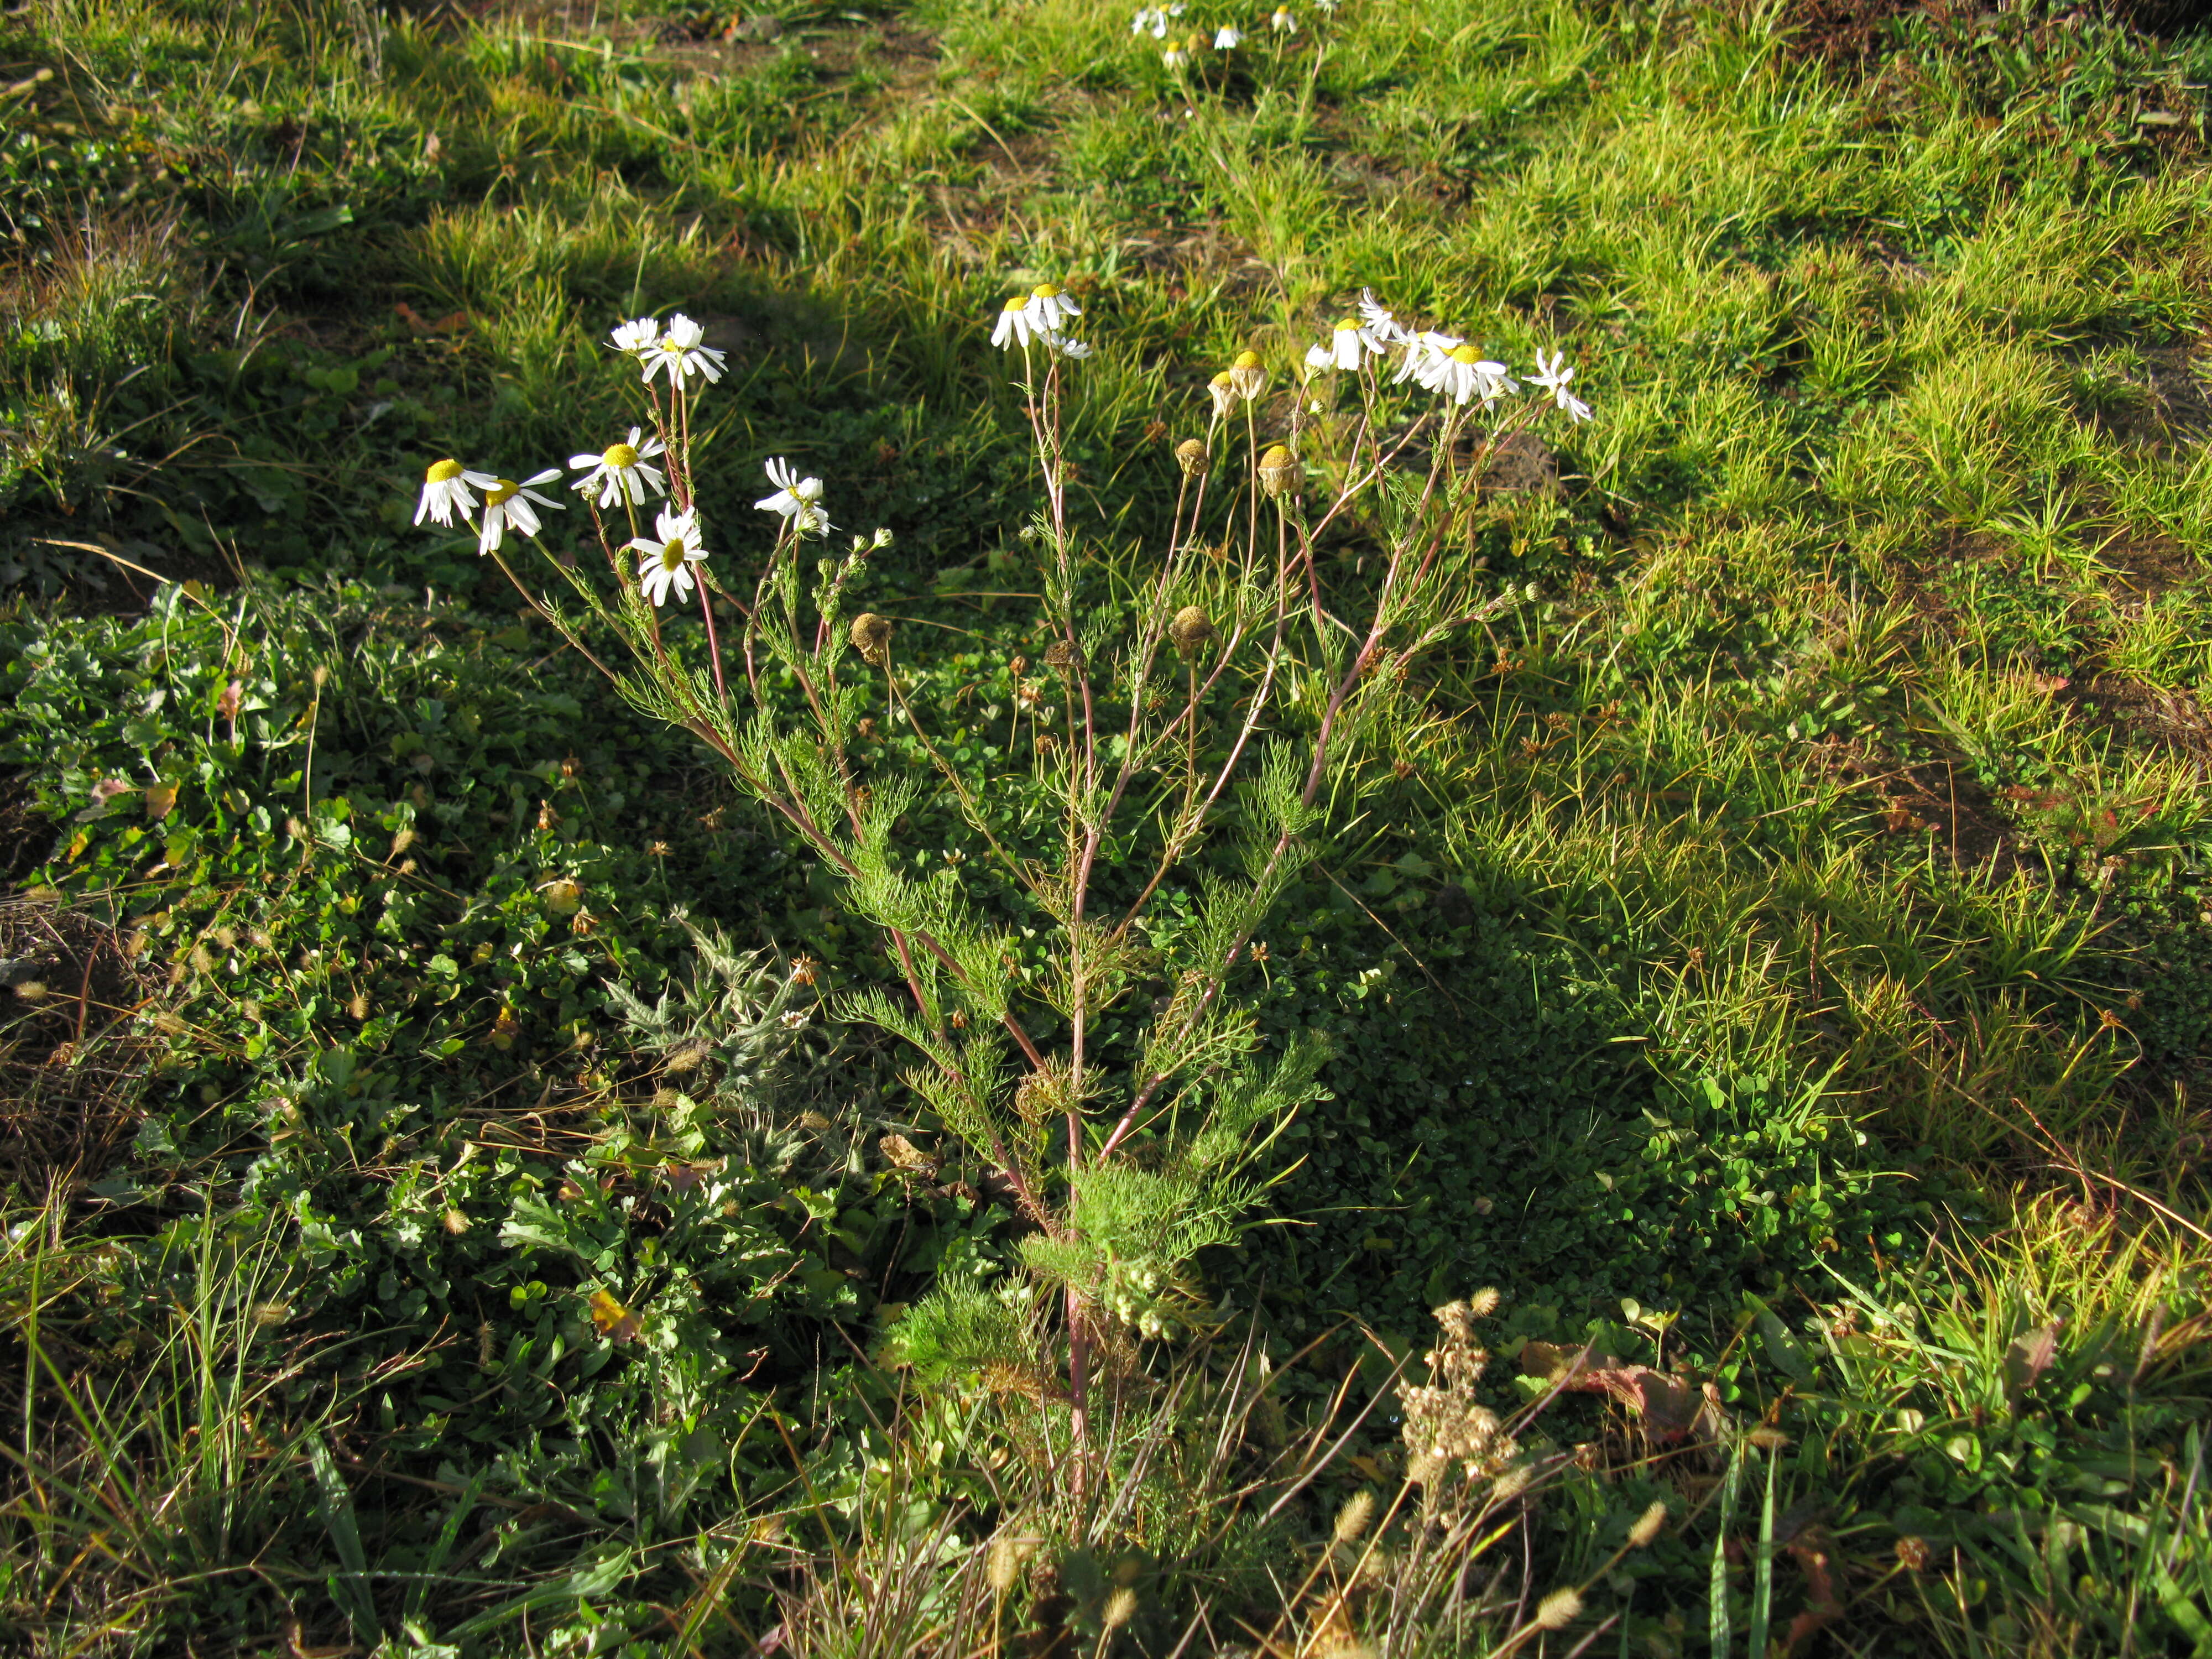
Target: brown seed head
x=1352 y=1519
x=1647 y=1525
x=1558 y=1609
x=1120 y=1608
x=1063 y=656
x=1912 y=1553
x=871 y=637
x=1191 y=456
x=1004 y=1568
x=1192 y=630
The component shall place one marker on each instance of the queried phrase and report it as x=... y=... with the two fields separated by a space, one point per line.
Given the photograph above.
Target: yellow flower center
x=620 y=457
x=1276 y=457
x=1465 y=354
x=1043 y=291
x=1246 y=359
x=1220 y=379
x=505 y=491
x=1348 y=327
x=671 y=553
x=1015 y=302
x=443 y=472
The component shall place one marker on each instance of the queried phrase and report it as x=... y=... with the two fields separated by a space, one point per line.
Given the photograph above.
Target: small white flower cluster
x=1442 y=363
x=681 y=351
x=623 y=474
x=1180 y=54
x=1039 y=318
x=449 y=491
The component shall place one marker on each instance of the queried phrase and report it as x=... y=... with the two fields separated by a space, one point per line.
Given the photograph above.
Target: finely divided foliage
x=1243 y=703
x=1562 y=644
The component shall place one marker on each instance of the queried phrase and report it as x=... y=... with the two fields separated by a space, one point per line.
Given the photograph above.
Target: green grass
x=1780 y=918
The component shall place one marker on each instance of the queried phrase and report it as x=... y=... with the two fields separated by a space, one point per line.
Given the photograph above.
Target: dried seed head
x=1647 y=1525
x=1246 y=376
x=1511 y=1484
x=1768 y=1440
x=1558 y=1609
x=1483 y=1303
x=1191 y=456
x=1912 y=1553
x=1121 y=1609
x=32 y=990
x=1351 y=1521
x=871 y=637
x=456 y=1223
x=1191 y=630
x=1004 y=1568
x=1061 y=655
x=1277 y=471
x=359 y=1007
x=1223 y=391
x=1423 y=1470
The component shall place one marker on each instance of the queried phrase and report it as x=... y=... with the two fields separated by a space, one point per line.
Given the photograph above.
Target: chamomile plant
x=1179 y=771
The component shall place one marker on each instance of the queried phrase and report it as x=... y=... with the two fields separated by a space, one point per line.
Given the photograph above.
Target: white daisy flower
x=1175 y=58
x=1426 y=353
x=1282 y=22
x=1319 y=358
x=1226 y=36
x=666 y=557
x=620 y=471
x=797 y=498
x=636 y=337
x=446 y=487
x=1017 y=324
x=679 y=352
x=1463 y=375
x=1554 y=379
x=1060 y=346
x=1378 y=328
x=507 y=502
x=1347 y=345
x=1051 y=308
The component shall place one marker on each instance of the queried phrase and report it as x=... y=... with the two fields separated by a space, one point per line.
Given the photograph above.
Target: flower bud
x=1190 y=631
x=1277 y=471
x=1190 y=455
x=871 y=637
